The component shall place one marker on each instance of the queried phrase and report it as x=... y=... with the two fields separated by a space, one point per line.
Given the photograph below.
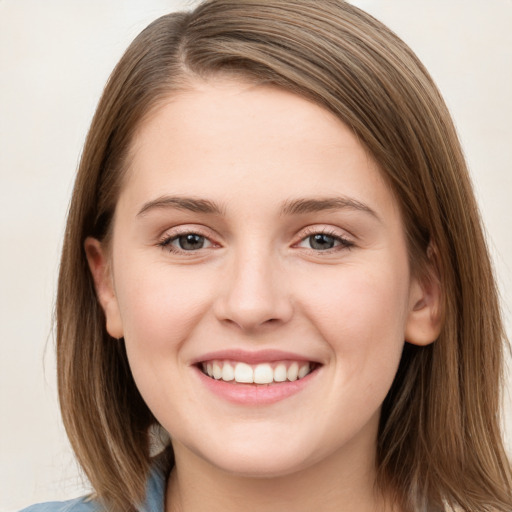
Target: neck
x=196 y=485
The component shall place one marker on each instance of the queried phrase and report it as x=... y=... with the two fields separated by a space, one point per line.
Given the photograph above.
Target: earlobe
x=424 y=318
x=99 y=265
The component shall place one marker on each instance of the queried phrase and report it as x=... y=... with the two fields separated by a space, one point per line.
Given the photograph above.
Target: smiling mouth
x=263 y=373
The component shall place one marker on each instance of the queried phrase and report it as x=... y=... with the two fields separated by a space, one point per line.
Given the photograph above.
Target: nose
x=254 y=294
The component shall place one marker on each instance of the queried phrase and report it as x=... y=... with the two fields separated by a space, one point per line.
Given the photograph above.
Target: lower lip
x=255 y=394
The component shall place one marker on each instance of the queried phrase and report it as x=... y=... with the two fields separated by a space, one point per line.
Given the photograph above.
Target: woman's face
x=256 y=239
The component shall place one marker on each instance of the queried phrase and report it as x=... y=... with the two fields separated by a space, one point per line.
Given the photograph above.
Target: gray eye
x=190 y=242
x=321 y=241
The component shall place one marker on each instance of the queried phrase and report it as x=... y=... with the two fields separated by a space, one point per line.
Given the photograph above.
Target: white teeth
x=263 y=374
x=293 y=372
x=256 y=374
x=303 y=371
x=244 y=373
x=217 y=370
x=227 y=372
x=280 y=373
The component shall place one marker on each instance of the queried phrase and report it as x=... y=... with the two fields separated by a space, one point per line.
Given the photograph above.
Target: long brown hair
x=439 y=441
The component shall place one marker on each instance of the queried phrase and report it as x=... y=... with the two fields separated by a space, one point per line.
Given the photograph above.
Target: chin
x=268 y=467
x=263 y=460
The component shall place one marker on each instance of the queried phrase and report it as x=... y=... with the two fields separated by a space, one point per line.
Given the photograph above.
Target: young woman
x=274 y=255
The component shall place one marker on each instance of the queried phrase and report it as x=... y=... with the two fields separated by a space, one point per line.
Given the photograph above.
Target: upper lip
x=252 y=357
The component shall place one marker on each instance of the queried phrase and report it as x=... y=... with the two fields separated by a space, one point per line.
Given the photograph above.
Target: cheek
x=361 y=315
x=160 y=306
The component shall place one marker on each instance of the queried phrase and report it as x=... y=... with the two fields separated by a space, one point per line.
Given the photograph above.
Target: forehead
x=224 y=138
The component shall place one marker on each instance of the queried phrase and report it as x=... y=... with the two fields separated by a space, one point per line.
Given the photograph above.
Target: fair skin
x=254 y=228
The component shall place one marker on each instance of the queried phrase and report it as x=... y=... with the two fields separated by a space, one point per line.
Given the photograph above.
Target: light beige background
x=55 y=56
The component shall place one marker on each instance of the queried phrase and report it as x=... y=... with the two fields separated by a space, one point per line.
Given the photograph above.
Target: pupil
x=190 y=242
x=321 y=241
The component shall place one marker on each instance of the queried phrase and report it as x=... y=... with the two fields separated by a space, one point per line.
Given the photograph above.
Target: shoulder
x=155 y=491
x=84 y=504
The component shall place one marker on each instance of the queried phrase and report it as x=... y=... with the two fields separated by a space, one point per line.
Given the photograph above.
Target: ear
x=424 y=319
x=99 y=265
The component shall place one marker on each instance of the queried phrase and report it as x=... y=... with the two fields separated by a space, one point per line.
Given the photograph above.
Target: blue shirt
x=154 y=502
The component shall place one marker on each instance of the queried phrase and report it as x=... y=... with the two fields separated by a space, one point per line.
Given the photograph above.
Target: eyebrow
x=301 y=206
x=190 y=204
x=290 y=207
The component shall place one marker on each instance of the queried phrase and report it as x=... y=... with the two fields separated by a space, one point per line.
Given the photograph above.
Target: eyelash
x=166 y=242
x=343 y=243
